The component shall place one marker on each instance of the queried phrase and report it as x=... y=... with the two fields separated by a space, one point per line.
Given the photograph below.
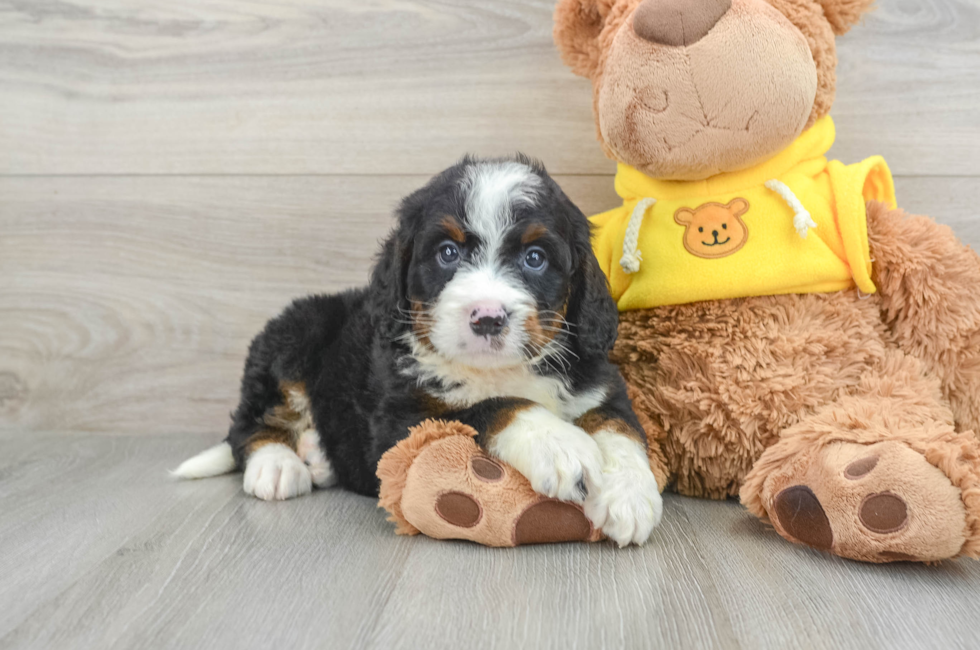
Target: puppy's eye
x=725 y=226
x=535 y=259
x=700 y=229
x=448 y=253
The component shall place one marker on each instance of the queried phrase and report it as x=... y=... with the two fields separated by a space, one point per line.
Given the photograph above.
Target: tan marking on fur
x=287 y=421
x=538 y=336
x=453 y=229
x=594 y=421
x=432 y=406
x=504 y=417
x=270 y=436
x=421 y=325
x=534 y=231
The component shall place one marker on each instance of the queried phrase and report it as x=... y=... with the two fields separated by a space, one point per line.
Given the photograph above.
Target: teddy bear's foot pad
x=552 y=521
x=441 y=483
x=800 y=514
x=878 y=503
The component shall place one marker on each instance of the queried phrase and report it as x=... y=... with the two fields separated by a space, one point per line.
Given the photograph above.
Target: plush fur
x=486 y=307
x=846 y=420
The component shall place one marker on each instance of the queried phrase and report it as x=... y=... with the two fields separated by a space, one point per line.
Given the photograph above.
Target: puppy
x=486 y=306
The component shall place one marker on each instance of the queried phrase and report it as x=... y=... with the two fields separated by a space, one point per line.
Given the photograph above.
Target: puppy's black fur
x=350 y=353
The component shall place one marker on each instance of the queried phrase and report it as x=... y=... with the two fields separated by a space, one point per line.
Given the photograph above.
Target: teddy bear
x=788 y=335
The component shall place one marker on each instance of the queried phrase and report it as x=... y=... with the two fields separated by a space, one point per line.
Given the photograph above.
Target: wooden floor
x=173 y=173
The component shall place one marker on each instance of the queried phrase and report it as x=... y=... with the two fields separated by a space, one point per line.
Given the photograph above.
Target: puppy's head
x=492 y=266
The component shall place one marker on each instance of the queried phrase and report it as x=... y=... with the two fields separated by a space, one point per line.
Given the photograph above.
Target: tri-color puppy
x=486 y=306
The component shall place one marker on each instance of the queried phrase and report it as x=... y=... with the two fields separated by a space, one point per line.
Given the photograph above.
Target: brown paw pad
x=459 y=509
x=486 y=469
x=860 y=467
x=883 y=513
x=551 y=521
x=800 y=514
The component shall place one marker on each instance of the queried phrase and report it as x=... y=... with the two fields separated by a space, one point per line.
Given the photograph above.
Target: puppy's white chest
x=551 y=393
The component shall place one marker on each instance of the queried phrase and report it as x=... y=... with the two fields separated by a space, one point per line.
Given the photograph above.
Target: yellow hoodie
x=793 y=224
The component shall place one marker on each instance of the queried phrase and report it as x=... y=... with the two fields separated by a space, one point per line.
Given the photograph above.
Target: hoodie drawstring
x=801 y=218
x=630 y=261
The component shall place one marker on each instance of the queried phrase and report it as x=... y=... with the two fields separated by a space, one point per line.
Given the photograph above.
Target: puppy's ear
x=578 y=24
x=389 y=301
x=591 y=309
x=844 y=14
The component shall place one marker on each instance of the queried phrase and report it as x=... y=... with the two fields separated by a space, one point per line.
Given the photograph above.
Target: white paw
x=275 y=473
x=629 y=506
x=559 y=459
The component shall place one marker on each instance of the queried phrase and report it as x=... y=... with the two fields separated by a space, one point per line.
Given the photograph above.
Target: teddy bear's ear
x=844 y=14
x=578 y=24
x=684 y=216
x=738 y=206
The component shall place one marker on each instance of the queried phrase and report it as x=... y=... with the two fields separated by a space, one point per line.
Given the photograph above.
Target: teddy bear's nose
x=677 y=22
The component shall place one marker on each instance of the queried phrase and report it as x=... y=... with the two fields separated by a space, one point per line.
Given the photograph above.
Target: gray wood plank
x=127 y=558
x=401 y=87
x=195 y=564
x=598 y=596
x=127 y=304
x=908 y=87
x=69 y=503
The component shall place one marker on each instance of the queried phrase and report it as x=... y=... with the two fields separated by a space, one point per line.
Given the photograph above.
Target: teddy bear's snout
x=677 y=22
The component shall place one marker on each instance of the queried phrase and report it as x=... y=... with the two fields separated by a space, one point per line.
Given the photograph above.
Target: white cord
x=630 y=261
x=801 y=219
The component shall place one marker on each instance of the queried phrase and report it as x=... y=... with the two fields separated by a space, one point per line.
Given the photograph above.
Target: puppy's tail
x=212 y=462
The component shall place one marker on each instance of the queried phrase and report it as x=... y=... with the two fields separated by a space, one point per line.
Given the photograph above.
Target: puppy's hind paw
x=275 y=473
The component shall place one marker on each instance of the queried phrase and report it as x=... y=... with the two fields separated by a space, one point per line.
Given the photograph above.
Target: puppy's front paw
x=629 y=506
x=559 y=459
x=275 y=473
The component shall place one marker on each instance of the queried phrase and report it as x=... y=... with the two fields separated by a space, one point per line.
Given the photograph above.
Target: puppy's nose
x=677 y=22
x=488 y=319
x=715 y=233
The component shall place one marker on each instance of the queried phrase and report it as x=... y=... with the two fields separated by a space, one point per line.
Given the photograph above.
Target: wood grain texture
x=402 y=87
x=127 y=304
x=114 y=554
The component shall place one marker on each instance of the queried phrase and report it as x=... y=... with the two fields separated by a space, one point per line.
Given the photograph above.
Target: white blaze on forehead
x=493 y=189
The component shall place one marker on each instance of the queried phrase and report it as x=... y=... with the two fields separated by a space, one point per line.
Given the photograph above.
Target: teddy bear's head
x=685 y=89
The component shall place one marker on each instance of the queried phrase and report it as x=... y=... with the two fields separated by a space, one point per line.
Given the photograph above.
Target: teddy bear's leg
x=928 y=284
x=439 y=482
x=879 y=476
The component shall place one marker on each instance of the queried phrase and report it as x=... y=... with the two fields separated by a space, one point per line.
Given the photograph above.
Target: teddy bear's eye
x=700 y=229
x=725 y=226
